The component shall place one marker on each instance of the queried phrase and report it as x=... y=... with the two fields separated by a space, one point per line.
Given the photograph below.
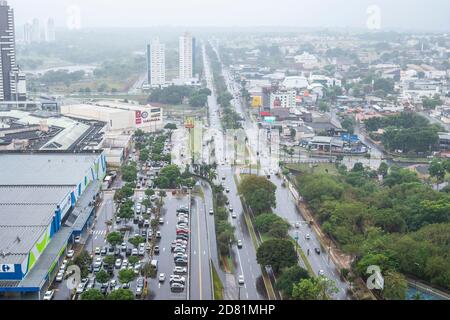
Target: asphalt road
x=245 y=258
x=200 y=273
x=285 y=203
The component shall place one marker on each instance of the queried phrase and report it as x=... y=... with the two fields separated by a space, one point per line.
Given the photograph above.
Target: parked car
x=177 y=278
x=156 y=250
x=70 y=254
x=49 y=295
x=161 y=221
x=181 y=262
x=138 y=291
x=179 y=249
x=77 y=239
x=97 y=250
x=177 y=287
x=180 y=270
x=118 y=263
x=59 y=277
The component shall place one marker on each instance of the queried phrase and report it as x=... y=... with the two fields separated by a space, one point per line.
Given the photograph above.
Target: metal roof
x=44 y=169
x=16 y=242
x=33 y=194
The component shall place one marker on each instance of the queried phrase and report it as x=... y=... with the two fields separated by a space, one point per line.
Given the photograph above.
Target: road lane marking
x=199 y=249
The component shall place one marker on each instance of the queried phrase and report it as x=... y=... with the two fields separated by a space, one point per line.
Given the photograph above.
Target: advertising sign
x=269 y=119
x=189 y=123
x=256 y=102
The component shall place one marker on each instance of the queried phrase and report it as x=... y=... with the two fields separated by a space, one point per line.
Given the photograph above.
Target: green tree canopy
x=289 y=277
x=277 y=253
x=121 y=294
x=258 y=192
x=92 y=294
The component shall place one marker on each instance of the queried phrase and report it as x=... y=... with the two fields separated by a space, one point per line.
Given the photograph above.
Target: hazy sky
x=394 y=14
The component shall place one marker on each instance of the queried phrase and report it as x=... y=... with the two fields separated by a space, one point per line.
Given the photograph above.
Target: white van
x=154 y=264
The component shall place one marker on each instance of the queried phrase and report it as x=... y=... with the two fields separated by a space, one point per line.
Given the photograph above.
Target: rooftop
x=44 y=168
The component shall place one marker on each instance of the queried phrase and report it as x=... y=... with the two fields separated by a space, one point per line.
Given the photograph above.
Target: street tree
x=395 y=286
x=92 y=294
x=258 y=192
x=136 y=241
x=383 y=169
x=437 y=170
x=318 y=288
x=290 y=276
x=277 y=253
x=102 y=276
x=121 y=294
x=114 y=238
x=126 y=275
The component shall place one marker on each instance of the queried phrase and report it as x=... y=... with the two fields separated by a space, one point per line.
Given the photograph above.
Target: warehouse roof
x=44 y=168
x=32 y=194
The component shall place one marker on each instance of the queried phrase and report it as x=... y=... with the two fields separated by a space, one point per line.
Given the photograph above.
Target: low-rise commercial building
x=46 y=199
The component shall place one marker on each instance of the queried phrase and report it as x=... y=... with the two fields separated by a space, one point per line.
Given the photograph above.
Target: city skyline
x=401 y=15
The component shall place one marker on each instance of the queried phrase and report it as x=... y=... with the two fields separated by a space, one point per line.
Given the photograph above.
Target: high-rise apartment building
x=12 y=82
x=187 y=57
x=27 y=33
x=156 y=63
x=50 y=30
x=36 y=31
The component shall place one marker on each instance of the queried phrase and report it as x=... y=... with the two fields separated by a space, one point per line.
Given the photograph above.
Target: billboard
x=189 y=123
x=269 y=119
x=256 y=102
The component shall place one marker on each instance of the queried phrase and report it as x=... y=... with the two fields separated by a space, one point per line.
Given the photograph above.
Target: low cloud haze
x=431 y=15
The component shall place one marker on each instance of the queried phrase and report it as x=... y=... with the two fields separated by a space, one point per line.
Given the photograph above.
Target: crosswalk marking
x=99 y=232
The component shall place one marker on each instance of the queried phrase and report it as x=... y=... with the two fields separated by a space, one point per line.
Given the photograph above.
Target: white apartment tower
x=187 y=56
x=12 y=82
x=27 y=33
x=36 y=31
x=156 y=61
x=50 y=30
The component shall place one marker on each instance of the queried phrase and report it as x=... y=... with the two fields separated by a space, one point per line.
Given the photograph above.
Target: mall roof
x=72 y=129
x=44 y=168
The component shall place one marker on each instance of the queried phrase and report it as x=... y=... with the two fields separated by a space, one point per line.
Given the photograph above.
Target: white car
x=321 y=273
x=241 y=280
x=49 y=295
x=162 y=277
x=70 y=254
x=59 y=277
x=97 y=250
x=308 y=236
x=180 y=270
x=234 y=216
x=211 y=211
x=118 y=263
x=177 y=278
x=239 y=244
x=77 y=239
